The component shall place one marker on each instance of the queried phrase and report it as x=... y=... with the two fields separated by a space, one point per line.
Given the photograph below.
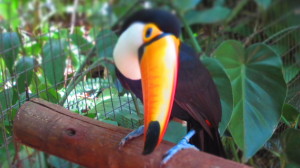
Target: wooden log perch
x=53 y=129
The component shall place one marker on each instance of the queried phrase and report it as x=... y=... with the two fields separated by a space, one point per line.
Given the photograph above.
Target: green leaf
x=54 y=60
x=264 y=4
x=9 y=47
x=185 y=5
x=6 y=98
x=222 y=81
x=105 y=43
x=259 y=92
x=290 y=72
x=83 y=44
x=209 y=16
x=6 y=162
x=9 y=9
x=60 y=163
x=48 y=93
x=290 y=113
x=33 y=49
x=109 y=122
x=175 y=132
x=291 y=145
x=24 y=70
x=35 y=82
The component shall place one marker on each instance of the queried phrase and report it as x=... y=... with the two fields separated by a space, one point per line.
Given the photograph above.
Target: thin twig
x=73 y=18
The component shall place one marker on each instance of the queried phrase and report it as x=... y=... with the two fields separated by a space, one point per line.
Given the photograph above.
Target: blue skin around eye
x=149 y=32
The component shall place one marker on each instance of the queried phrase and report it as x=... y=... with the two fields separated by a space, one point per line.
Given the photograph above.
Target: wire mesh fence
x=48 y=66
x=74 y=68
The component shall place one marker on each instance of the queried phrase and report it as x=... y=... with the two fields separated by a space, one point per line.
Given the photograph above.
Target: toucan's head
x=147 y=49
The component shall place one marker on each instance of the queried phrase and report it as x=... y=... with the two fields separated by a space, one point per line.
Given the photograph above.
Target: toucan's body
x=194 y=97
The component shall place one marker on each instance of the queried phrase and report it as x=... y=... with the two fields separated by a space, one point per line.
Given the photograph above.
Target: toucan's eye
x=148 y=32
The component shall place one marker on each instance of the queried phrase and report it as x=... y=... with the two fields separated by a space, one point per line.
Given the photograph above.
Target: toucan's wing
x=196 y=92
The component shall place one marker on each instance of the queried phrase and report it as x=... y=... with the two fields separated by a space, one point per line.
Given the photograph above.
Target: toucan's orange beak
x=159 y=66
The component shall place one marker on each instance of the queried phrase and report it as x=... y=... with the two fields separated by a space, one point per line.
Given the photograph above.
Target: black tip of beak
x=152 y=137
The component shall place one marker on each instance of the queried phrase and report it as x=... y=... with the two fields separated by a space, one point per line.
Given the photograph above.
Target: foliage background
x=61 y=51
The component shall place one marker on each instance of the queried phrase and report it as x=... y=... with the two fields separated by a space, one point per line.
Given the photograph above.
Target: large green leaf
x=185 y=5
x=259 y=92
x=222 y=81
x=9 y=47
x=289 y=113
x=105 y=43
x=54 y=60
x=209 y=16
x=291 y=144
x=24 y=70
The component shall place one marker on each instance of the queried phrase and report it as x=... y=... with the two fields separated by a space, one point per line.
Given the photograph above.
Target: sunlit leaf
x=9 y=9
x=259 y=92
x=48 y=93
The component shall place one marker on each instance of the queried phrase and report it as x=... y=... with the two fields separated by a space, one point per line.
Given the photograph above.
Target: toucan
x=168 y=77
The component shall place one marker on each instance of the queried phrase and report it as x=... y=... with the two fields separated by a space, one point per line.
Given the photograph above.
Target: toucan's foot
x=183 y=144
x=135 y=133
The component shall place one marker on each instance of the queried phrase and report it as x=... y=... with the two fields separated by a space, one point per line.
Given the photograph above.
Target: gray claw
x=135 y=133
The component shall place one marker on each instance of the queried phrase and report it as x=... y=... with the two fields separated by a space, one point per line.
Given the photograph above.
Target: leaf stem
x=281 y=32
x=234 y=151
x=286 y=121
x=187 y=28
x=191 y=34
x=297 y=121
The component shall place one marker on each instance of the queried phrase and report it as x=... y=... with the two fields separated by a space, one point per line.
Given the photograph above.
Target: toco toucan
x=168 y=77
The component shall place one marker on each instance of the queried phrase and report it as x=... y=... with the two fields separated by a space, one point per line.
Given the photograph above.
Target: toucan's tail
x=206 y=143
